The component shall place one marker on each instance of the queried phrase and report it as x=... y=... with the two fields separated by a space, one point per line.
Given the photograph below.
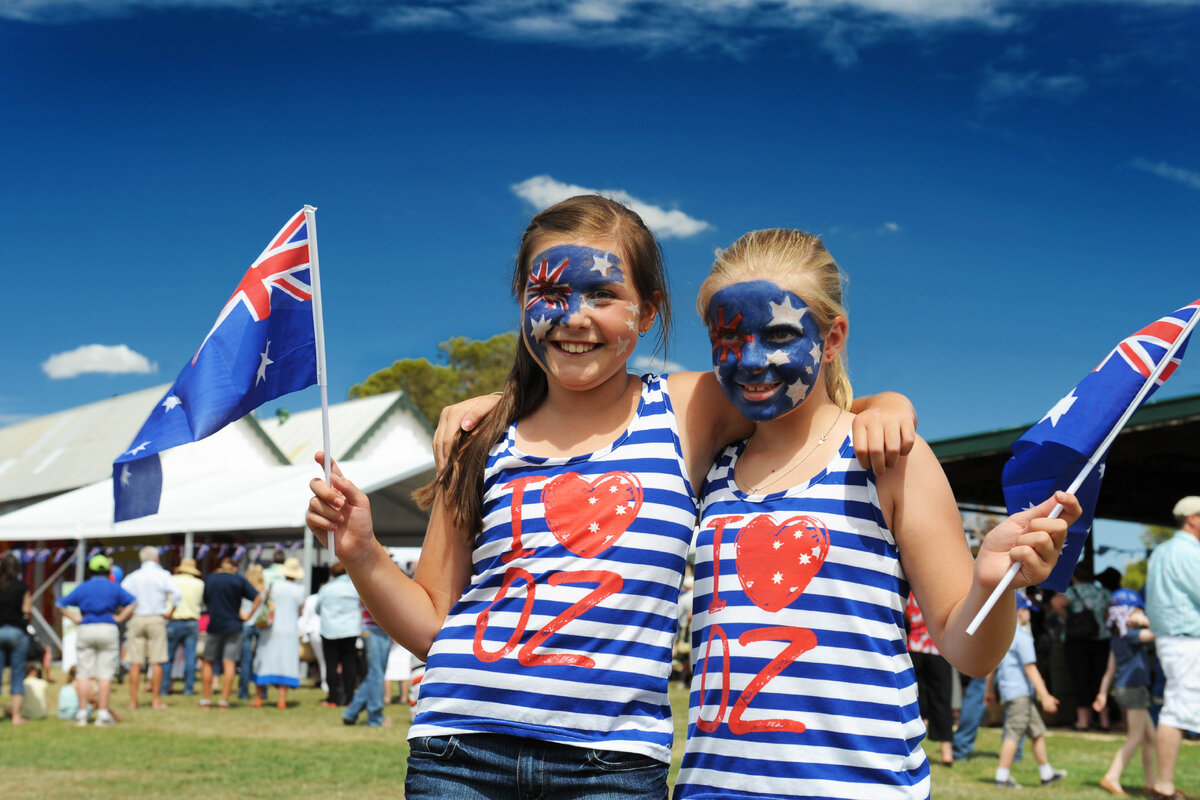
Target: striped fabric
x=565 y=632
x=803 y=686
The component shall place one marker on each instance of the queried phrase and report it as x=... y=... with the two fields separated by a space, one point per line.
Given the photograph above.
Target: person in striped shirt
x=803 y=686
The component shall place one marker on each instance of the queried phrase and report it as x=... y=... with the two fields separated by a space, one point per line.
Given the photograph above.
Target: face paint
x=566 y=280
x=766 y=348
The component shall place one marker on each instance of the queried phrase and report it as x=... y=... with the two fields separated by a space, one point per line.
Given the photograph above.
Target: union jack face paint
x=567 y=280
x=766 y=348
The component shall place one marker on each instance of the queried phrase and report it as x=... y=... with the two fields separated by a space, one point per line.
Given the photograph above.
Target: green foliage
x=1153 y=535
x=469 y=368
x=1135 y=575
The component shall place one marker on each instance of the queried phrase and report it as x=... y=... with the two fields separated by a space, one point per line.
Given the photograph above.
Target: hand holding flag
x=264 y=345
x=1067 y=447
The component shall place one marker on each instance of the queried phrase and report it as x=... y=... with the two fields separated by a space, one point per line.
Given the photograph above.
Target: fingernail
x=338 y=502
x=468 y=425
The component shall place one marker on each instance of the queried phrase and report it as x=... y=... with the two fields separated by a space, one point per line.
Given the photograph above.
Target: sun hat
x=99 y=563
x=188 y=565
x=1187 y=506
x=292 y=569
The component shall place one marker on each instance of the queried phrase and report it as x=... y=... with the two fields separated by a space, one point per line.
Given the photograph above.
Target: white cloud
x=109 y=359
x=890 y=227
x=655 y=364
x=1000 y=85
x=542 y=191
x=1189 y=178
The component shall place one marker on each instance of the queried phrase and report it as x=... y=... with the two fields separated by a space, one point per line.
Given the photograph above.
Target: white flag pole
x=1094 y=460
x=319 y=329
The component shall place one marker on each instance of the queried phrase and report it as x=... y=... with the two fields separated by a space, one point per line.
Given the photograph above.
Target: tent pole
x=80 y=552
x=308 y=559
x=189 y=544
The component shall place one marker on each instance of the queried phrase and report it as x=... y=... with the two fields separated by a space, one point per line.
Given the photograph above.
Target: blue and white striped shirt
x=565 y=632
x=803 y=686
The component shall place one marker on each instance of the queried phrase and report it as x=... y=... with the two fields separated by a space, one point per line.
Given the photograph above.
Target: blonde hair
x=254 y=574
x=795 y=261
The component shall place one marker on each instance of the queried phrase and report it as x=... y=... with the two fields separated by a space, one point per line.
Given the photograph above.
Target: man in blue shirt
x=1173 y=605
x=223 y=593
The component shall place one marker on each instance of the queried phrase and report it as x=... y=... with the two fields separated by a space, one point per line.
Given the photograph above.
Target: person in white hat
x=1173 y=605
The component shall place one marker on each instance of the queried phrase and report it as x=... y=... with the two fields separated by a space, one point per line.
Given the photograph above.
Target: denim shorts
x=487 y=766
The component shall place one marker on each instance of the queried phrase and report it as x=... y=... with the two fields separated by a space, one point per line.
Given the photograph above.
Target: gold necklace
x=821 y=441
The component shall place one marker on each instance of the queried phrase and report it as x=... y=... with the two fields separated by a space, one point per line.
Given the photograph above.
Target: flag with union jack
x=262 y=346
x=1054 y=452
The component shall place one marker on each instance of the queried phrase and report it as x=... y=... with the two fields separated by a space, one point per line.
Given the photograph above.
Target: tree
x=1135 y=572
x=470 y=368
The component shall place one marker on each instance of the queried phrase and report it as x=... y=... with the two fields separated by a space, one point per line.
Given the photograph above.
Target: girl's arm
x=919 y=506
x=1102 y=694
x=410 y=610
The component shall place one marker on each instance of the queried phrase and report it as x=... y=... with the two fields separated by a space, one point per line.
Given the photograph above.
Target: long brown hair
x=460 y=485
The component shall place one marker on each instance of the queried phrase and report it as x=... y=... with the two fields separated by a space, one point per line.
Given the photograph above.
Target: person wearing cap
x=277 y=658
x=183 y=629
x=1173 y=605
x=97 y=606
x=1129 y=675
x=1019 y=684
x=146 y=636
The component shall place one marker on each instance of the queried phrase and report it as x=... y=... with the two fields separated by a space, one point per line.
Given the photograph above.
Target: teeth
x=576 y=348
x=758 y=387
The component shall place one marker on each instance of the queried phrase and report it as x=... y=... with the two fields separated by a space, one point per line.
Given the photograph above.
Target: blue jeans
x=485 y=766
x=250 y=635
x=370 y=692
x=14 y=644
x=185 y=633
x=969 y=717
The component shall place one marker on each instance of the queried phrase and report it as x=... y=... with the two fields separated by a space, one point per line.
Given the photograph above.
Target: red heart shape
x=589 y=517
x=776 y=562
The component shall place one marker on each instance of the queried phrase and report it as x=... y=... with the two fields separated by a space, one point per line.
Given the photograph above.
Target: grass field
x=306 y=751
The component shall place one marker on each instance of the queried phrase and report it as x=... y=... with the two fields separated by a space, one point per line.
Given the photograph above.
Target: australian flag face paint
x=566 y=280
x=766 y=348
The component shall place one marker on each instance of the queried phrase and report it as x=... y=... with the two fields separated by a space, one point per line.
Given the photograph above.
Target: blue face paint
x=766 y=348
x=564 y=281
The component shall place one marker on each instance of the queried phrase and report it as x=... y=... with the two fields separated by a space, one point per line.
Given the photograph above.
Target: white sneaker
x=104 y=719
x=81 y=717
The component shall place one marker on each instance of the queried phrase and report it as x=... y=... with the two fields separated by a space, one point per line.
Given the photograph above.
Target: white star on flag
x=1060 y=408
x=171 y=402
x=262 y=366
x=126 y=474
x=540 y=328
x=138 y=449
x=786 y=314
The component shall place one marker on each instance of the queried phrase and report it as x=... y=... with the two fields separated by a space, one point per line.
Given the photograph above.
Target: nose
x=754 y=356
x=578 y=313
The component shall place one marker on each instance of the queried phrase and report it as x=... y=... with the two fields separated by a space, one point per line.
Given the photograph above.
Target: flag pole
x=319 y=329
x=1092 y=462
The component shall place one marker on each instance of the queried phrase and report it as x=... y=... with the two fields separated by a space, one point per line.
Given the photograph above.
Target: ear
x=835 y=339
x=649 y=312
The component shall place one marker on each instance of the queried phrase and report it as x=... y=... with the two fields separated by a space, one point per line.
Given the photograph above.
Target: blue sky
x=1011 y=187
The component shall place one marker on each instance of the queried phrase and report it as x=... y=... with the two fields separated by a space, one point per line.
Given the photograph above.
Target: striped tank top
x=802 y=685
x=565 y=632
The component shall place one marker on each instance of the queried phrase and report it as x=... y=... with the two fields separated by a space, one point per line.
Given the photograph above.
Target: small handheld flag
x=1067 y=447
x=262 y=346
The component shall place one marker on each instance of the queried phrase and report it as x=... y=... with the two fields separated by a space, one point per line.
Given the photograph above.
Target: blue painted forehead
x=758 y=301
x=574 y=263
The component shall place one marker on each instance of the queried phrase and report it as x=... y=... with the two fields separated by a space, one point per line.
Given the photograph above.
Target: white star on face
x=587 y=302
x=602 y=265
x=777 y=577
x=171 y=402
x=262 y=366
x=786 y=314
x=797 y=392
x=631 y=323
x=126 y=473
x=778 y=357
x=632 y=308
x=540 y=328
x=1060 y=408
x=622 y=346
x=137 y=449
x=815 y=352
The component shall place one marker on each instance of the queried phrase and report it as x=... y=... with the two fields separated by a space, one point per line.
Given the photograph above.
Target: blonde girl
x=802 y=684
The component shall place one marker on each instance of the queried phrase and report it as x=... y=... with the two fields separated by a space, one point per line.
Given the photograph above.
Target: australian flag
x=262 y=346
x=1053 y=453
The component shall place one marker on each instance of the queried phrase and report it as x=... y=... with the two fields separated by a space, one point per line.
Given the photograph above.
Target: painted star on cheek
x=797 y=392
x=540 y=328
x=778 y=357
x=622 y=346
x=786 y=314
x=816 y=351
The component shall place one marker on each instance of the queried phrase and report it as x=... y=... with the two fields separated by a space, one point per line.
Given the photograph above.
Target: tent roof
x=1153 y=462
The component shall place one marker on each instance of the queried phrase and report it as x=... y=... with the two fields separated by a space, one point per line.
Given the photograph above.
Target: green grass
x=306 y=751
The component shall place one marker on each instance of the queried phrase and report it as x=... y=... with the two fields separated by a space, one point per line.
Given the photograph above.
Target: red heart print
x=589 y=517
x=776 y=562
